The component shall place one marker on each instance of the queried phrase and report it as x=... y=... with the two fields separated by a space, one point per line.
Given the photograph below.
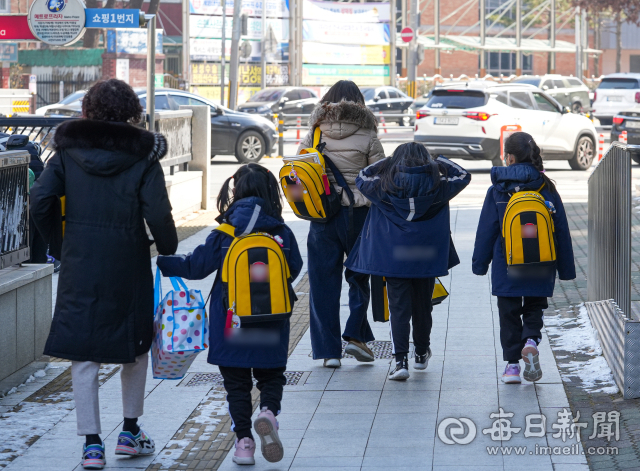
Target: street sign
x=8 y=52
x=33 y=84
x=406 y=34
x=57 y=22
x=112 y=18
x=15 y=27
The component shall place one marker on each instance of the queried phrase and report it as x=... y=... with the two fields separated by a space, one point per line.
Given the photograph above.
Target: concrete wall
x=185 y=192
x=25 y=315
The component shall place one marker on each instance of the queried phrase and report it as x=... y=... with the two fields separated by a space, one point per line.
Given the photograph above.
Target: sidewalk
x=349 y=418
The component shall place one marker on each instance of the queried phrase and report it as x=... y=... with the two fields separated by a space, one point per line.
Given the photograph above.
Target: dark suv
x=288 y=100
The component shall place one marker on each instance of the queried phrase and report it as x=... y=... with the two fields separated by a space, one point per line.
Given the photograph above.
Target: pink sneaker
x=266 y=426
x=245 y=449
x=532 y=370
x=511 y=374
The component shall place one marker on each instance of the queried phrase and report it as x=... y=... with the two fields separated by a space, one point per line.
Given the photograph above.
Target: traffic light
x=244 y=21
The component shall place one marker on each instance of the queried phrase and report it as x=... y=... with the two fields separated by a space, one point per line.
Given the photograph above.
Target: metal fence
x=38 y=128
x=14 y=208
x=609 y=266
x=49 y=87
x=301 y=123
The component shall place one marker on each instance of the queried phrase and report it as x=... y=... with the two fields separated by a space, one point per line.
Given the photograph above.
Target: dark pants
x=239 y=383
x=37 y=244
x=410 y=300
x=327 y=246
x=520 y=319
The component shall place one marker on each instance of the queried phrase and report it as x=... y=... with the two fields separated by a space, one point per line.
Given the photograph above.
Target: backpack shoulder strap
x=540 y=189
x=226 y=229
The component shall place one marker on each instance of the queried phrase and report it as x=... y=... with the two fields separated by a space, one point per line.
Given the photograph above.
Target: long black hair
x=343 y=90
x=252 y=180
x=525 y=150
x=411 y=154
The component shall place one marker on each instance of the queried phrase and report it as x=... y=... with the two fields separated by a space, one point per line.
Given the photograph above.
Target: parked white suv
x=465 y=122
x=616 y=93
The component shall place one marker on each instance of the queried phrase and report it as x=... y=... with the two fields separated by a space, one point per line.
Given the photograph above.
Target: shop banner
x=211 y=50
x=132 y=41
x=249 y=74
x=341 y=12
x=275 y=8
x=329 y=74
x=319 y=53
x=112 y=18
x=211 y=27
x=345 y=33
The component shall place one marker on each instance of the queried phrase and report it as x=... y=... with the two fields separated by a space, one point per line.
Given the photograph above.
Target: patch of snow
x=594 y=373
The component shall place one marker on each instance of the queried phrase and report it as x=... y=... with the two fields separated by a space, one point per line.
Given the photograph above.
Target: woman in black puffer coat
x=110 y=174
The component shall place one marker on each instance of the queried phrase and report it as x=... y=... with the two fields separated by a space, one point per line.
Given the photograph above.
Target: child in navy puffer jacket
x=406 y=238
x=521 y=301
x=253 y=205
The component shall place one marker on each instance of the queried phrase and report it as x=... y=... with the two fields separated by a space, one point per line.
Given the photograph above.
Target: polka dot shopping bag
x=179 y=329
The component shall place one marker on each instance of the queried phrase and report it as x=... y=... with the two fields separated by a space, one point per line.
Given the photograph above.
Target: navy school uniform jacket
x=247 y=217
x=489 y=246
x=407 y=235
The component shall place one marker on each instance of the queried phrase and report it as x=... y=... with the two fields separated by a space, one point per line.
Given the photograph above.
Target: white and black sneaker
x=132 y=445
x=401 y=371
x=422 y=361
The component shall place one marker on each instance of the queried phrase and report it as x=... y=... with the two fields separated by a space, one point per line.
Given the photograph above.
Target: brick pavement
x=567 y=295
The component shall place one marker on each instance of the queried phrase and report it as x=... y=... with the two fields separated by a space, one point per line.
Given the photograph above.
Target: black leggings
x=520 y=319
x=239 y=383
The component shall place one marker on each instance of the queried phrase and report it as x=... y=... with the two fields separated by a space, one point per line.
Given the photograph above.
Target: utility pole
x=223 y=56
x=436 y=35
x=403 y=25
x=518 y=37
x=392 y=43
x=584 y=45
x=263 y=56
x=483 y=33
x=292 y=42
x=186 y=62
x=412 y=58
x=299 y=11
x=552 y=37
x=578 y=39
x=235 y=55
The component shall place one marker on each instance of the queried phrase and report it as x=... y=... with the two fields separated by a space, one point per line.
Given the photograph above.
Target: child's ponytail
x=525 y=150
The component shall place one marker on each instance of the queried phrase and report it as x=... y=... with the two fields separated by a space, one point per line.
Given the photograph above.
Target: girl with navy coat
x=521 y=301
x=407 y=239
x=253 y=205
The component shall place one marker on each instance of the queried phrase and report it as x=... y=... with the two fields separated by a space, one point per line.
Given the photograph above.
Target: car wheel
x=250 y=147
x=584 y=153
x=406 y=121
x=497 y=162
x=576 y=107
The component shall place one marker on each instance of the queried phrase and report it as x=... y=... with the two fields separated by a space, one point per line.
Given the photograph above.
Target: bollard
x=600 y=146
x=384 y=126
x=298 y=124
x=623 y=137
x=280 y=136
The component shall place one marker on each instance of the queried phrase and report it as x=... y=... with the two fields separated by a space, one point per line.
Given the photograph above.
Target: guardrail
x=609 y=266
x=38 y=128
x=14 y=208
x=280 y=118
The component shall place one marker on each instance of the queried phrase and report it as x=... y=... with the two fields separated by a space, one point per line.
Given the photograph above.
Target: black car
x=248 y=137
x=288 y=100
x=628 y=121
x=388 y=100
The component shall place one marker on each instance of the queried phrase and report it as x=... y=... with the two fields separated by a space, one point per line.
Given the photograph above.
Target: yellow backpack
x=528 y=232
x=256 y=278
x=380 y=299
x=307 y=188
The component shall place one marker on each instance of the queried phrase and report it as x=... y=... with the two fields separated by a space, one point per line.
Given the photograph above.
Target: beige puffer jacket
x=350 y=131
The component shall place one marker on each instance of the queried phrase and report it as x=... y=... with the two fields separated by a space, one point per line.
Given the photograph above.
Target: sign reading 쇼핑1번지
x=112 y=18
x=57 y=22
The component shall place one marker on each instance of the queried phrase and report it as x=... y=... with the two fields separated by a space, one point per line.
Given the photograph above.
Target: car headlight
x=263 y=108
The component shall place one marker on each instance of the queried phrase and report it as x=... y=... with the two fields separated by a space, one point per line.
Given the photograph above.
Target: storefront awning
x=472 y=43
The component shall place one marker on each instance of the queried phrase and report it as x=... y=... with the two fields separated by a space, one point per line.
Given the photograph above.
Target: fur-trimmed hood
x=107 y=148
x=346 y=112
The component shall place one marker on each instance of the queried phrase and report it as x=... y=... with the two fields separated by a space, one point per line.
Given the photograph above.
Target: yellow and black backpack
x=528 y=232
x=317 y=201
x=256 y=278
x=380 y=299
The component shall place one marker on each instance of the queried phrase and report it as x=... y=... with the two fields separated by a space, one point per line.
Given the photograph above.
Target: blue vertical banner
x=112 y=18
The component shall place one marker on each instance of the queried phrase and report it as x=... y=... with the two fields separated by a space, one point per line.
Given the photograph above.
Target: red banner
x=15 y=28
